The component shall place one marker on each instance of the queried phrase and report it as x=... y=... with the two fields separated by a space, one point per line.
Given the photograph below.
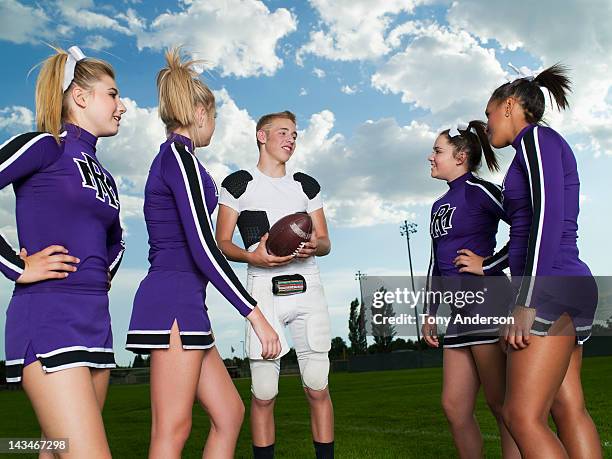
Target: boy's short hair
x=267 y=120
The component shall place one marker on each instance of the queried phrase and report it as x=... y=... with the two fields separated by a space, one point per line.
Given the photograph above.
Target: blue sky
x=372 y=82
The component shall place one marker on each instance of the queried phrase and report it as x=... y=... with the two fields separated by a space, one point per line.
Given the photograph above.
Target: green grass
x=387 y=414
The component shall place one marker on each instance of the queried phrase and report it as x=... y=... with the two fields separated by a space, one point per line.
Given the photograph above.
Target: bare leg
x=262 y=421
x=491 y=366
x=459 y=391
x=174 y=378
x=99 y=379
x=218 y=396
x=66 y=407
x=321 y=415
x=534 y=375
x=574 y=425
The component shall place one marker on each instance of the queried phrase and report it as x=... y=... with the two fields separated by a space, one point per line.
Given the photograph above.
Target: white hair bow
x=454 y=131
x=74 y=55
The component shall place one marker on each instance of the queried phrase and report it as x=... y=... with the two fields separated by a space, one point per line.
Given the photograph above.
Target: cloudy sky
x=371 y=81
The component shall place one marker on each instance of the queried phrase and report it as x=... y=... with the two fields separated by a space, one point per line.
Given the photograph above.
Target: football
x=288 y=233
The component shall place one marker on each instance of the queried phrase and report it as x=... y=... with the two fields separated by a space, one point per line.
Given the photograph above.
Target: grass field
x=390 y=414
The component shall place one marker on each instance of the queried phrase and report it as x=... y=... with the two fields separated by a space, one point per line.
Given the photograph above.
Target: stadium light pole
x=359 y=276
x=406 y=230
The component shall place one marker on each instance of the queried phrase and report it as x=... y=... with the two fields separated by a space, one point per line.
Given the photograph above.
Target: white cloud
x=346 y=89
x=237 y=36
x=586 y=50
x=129 y=154
x=303 y=92
x=23 y=24
x=131 y=208
x=444 y=71
x=319 y=73
x=27 y=24
x=317 y=141
x=98 y=42
x=389 y=173
x=134 y=22
x=376 y=191
x=16 y=119
x=77 y=13
x=233 y=145
x=353 y=29
x=7 y=216
x=380 y=175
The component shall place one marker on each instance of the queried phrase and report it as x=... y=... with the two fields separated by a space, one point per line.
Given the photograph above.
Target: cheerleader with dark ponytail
x=556 y=295
x=463 y=227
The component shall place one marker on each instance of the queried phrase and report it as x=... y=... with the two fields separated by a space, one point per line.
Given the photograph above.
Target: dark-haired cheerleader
x=464 y=224
x=556 y=293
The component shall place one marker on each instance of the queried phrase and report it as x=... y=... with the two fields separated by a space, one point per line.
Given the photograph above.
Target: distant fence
x=397 y=360
x=142 y=375
x=598 y=345
x=595 y=346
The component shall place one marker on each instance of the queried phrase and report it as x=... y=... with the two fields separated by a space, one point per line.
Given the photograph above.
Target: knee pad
x=264 y=378
x=315 y=372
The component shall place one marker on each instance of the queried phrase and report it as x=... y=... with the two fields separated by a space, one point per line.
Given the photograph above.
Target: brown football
x=288 y=233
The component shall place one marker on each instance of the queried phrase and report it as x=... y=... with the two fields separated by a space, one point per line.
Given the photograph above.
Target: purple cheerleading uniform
x=180 y=197
x=541 y=198
x=466 y=217
x=63 y=197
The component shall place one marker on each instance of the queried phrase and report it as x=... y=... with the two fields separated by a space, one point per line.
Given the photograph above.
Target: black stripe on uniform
x=536 y=196
x=432 y=256
x=17 y=143
x=495 y=190
x=148 y=339
x=14 y=371
x=8 y=253
x=65 y=358
x=496 y=257
x=197 y=340
x=196 y=193
x=540 y=326
x=11 y=148
x=119 y=260
x=469 y=340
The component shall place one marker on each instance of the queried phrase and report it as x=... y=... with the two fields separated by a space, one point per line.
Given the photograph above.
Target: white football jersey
x=261 y=201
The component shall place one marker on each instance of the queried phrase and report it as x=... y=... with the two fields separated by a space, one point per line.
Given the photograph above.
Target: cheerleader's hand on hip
x=270 y=343
x=517 y=334
x=50 y=263
x=469 y=262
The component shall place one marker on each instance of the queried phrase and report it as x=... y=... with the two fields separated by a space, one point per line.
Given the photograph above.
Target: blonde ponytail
x=49 y=94
x=180 y=92
x=52 y=103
